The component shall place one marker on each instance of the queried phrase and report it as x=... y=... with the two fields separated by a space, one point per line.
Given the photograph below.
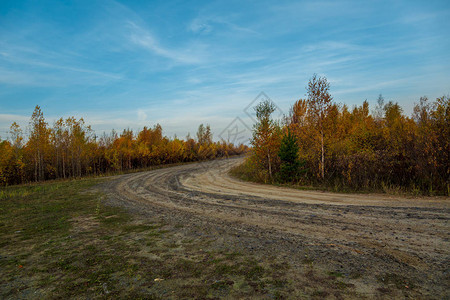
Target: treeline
x=71 y=149
x=324 y=143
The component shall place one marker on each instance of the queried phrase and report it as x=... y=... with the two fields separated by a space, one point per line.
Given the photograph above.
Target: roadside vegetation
x=60 y=240
x=71 y=149
x=327 y=145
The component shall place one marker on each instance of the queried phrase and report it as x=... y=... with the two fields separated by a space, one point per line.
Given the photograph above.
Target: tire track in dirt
x=373 y=234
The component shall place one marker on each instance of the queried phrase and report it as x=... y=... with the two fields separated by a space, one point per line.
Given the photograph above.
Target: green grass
x=59 y=240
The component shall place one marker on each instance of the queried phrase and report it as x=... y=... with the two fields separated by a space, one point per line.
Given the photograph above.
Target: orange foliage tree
x=71 y=149
x=266 y=138
x=357 y=149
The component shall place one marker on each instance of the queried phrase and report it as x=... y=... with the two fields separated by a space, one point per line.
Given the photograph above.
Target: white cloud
x=141 y=115
x=143 y=38
x=205 y=25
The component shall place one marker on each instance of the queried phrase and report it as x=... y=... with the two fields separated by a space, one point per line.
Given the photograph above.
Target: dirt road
x=376 y=242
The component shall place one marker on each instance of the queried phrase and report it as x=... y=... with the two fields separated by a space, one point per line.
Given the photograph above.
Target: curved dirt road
x=367 y=237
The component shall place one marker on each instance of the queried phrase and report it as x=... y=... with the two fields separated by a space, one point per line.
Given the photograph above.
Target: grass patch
x=58 y=240
x=335 y=274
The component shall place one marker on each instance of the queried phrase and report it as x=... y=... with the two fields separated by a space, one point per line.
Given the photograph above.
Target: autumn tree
x=18 y=164
x=266 y=137
x=111 y=153
x=319 y=101
x=60 y=140
x=6 y=161
x=204 y=138
x=80 y=136
x=71 y=149
x=125 y=147
x=38 y=142
x=381 y=150
x=441 y=130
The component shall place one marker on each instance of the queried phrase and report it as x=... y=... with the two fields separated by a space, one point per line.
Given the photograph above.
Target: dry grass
x=60 y=241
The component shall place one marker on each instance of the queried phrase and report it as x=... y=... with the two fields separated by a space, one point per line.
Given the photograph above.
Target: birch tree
x=266 y=137
x=319 y=101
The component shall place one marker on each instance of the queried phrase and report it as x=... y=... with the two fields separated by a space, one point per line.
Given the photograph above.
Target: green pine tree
x=290 y=163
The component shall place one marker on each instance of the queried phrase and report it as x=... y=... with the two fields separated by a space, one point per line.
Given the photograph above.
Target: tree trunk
x=41 y=163
x=63 y=166
x=270 y=165
x=39 y=159
x=58 y=164
x=78 y=161
x=323 y=157
x=73 y=162
x=35 y=167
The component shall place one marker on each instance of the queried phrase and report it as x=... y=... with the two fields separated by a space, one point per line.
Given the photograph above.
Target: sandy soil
x=377 y=242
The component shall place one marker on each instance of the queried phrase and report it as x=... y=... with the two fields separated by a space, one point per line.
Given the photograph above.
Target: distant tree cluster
x=71 y=149
x=356 y=148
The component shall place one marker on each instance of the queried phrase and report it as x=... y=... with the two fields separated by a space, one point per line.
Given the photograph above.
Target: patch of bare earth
x=84 y=223
x=377 y=245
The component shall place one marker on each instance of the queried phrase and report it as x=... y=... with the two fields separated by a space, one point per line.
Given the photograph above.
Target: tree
x=38 y=142
x=16 y=135
x=319 y=101
x=6 y=159
x=298 y=113
x=379 y=109
x=441 y=128
x=266 y=137
x=125 y=147
x=18 y=164
x=204 y=135
x=60 y=140
x=288 y=153
x=80 y=136
x=204 y=138
x=71 y=149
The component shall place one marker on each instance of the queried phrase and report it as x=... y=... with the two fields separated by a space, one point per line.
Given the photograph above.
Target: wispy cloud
x=131 y=64
x=42 y=64
x=143 y=38
x=207 y=24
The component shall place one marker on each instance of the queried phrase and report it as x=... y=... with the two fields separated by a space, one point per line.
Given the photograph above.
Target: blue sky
x=123 y=64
